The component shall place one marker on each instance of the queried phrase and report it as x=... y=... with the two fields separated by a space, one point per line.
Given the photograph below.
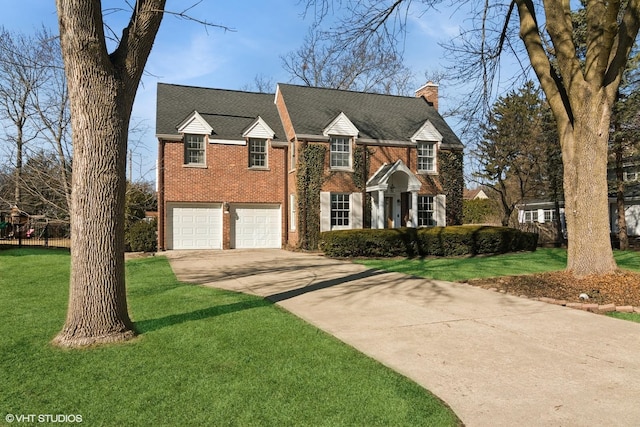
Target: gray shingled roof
x=228 y=112
x=377 y=117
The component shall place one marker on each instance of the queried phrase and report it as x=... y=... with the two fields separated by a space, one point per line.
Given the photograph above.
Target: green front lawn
x=465 y=268
x=205 y=357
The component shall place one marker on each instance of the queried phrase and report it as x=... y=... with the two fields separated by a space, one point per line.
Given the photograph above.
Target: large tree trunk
x=584 y=150
x=102 y=88
x=97 y=301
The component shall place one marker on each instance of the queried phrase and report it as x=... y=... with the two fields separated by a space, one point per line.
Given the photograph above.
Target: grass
x=465 y=268
x=204 y=357
x=632 y=317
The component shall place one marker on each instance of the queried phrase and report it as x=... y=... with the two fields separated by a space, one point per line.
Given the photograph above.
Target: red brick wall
x=227 y=178
x=339 y=181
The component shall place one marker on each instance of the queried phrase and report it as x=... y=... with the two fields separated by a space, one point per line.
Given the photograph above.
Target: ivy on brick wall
x=310 y=178
x=450 y=167
x=361 y=163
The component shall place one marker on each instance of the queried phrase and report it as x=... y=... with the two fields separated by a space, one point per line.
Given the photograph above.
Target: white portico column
x=414 y=208
x=381 y=217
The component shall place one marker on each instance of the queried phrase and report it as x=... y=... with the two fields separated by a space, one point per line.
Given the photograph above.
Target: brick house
x=234 y=167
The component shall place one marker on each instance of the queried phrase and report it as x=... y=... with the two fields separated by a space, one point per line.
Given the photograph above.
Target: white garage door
x=195 y=227
x=256 y=226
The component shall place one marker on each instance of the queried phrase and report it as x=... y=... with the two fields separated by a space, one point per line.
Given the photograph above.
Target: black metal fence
x=37 y=233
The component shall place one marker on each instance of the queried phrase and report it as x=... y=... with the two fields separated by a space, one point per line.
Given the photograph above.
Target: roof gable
x=341 y=125
x=259 y=129
x=195 y=124
x=380 y=179
x=427 y=132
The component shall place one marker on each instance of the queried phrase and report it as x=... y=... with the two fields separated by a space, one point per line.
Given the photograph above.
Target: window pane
x=425 y=211
x=257 y=153
x=426 y=156
x=340 y=152
x=339 y=210
x=194 y=145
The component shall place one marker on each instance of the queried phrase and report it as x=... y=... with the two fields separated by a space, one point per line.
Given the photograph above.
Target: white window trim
x=349 y=167
x=266 y=153
x=186 y=151
x=433 y=171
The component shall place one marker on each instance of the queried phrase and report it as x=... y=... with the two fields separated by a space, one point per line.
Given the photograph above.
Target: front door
x=405 y=205
x=388 y=212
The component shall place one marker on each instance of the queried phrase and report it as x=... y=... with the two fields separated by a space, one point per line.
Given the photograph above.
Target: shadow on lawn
x=150 y=325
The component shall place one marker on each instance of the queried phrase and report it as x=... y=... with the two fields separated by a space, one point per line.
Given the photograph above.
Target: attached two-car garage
x=201 y=226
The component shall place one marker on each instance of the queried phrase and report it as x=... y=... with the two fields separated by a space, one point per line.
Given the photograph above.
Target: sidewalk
x=497 y=360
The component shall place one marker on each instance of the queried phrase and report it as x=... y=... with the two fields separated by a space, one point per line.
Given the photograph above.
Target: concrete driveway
x=497 y=360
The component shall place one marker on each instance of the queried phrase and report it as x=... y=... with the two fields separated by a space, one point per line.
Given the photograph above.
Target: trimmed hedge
x=437 y=241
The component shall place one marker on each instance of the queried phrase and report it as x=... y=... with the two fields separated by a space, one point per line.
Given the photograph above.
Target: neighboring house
x=476 y=193
x=631 y=179
x=229 y=163
x=538 y=211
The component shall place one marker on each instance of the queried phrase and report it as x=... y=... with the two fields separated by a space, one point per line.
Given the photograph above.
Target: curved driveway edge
x=496 y=359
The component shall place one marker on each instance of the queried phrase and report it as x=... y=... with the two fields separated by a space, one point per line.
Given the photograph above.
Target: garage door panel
x=196 y=227
x=257 y=227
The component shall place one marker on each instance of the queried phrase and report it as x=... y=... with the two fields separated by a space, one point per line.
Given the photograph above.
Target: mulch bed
x=620 y=289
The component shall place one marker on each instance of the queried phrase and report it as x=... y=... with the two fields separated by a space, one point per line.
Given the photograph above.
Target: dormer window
x=194 y=149
x=258 y=153
x=426 y=156
x=340 y=149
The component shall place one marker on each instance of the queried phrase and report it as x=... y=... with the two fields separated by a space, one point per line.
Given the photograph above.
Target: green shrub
x=479 y=211
x=142 y=237
x=437 y=241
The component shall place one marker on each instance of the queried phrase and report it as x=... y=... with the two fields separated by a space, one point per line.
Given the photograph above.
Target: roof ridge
x=349 y=91
x=218 y=89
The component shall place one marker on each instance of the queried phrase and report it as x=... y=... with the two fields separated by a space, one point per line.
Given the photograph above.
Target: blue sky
x=188 y=53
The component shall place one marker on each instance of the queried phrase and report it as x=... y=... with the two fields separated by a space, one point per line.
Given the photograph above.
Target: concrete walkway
x=497 y=360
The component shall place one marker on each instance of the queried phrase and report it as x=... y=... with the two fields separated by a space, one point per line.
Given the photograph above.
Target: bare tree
x=21 y=73
x=51 y=103
x=102 y=87
x=365 y=66
x=580 y=86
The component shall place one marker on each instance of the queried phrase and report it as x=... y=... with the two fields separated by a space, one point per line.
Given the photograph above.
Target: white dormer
x=195 y=124
x=427 y=132
x=342 y=126
x=259 y=129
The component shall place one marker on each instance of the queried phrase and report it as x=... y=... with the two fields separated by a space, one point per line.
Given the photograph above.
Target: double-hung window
x=257 y=153
x=194 y=149
x=426 y=156
x=531 y=216
x=339 y=210
x=426 y=212
x=340 y=148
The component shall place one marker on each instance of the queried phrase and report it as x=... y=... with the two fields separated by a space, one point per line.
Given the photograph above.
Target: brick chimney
x=429 y=92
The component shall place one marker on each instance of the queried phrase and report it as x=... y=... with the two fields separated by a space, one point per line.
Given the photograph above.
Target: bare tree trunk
x=102 y=88
x=585 y=149
x=17 y=195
